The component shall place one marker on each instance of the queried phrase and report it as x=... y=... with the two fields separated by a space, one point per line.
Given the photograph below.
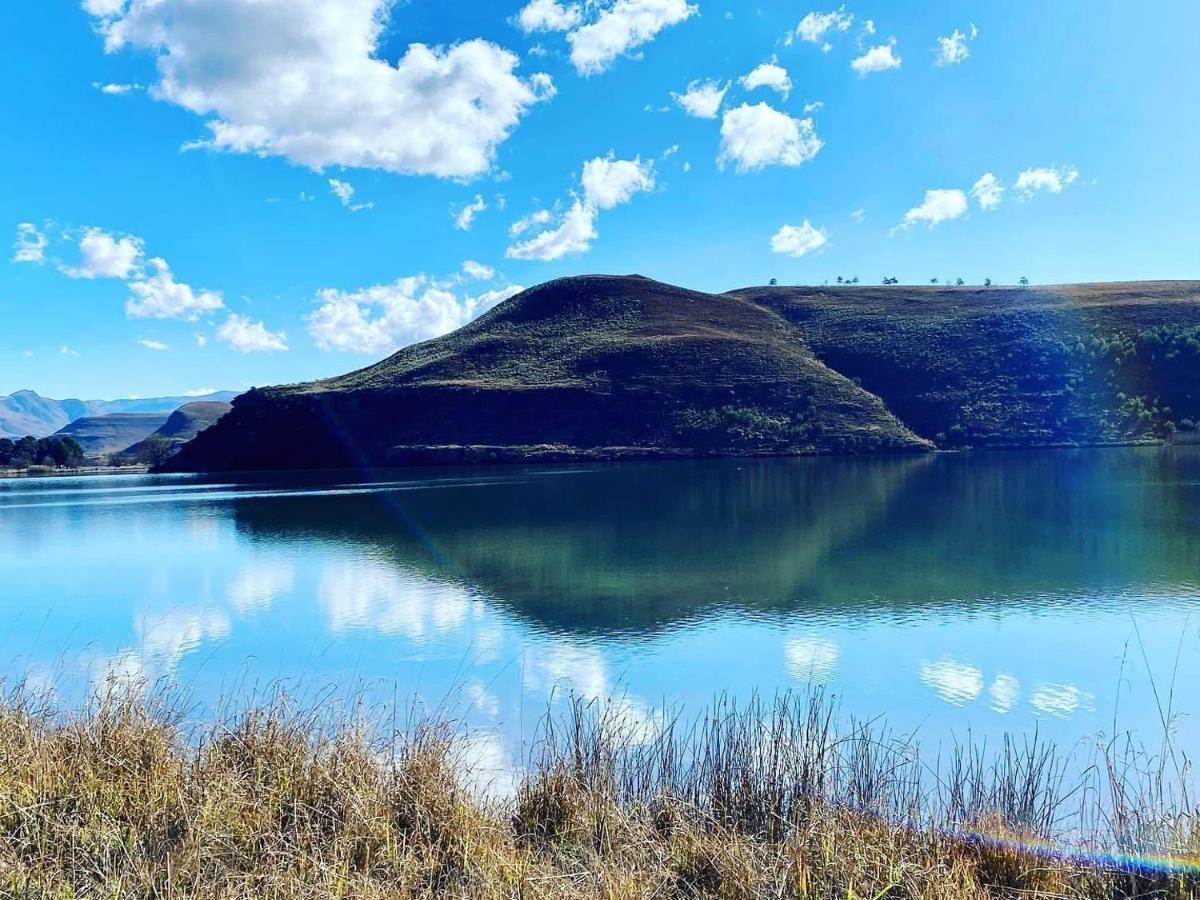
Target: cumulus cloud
x=953 y=49
x=344 y=191
x=621 y=27
x=939 y=205
x=250 y=337
x=816 y=25
x=478 y=271
x=753 y=137
x=464 y=217
x=304 y=80
x=385 y=317
x=770 y=75
x=702 y=99
x=158 y=346
x=535 y=218
x=574 y=234
x=105 y=256
x=988 y=191
x=114 y=88
x=155 y=294
x=877 y=59
x=797 y=240
x=606 y=182
x=548 y=15
x=30 y=245
x=1045 y=180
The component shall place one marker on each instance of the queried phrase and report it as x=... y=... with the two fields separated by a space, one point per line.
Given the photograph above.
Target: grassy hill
x=603 y=367
x=103 y=435
x=182 y=425
x=581 y=368
x=999 y=367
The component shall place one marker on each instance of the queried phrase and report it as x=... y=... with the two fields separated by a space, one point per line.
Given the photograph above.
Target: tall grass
x=767 y=799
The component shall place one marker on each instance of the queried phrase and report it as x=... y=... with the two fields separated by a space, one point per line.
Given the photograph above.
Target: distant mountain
x=104 y=435
x=25 y=412
x=596 y=367
x=181 y=426
x=604 y=367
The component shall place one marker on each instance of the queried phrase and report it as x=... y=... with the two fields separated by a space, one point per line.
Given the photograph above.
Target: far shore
x=46 y=472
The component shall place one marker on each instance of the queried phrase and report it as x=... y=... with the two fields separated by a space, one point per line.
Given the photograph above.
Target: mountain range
x=612 y=367
x=27 y=413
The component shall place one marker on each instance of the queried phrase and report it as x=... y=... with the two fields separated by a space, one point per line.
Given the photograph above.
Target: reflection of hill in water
x=642 y=546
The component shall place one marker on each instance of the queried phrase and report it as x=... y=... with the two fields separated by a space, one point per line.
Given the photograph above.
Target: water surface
x=973 y=593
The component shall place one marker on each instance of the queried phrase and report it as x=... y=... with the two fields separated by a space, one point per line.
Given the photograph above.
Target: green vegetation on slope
x=181 y=426
x=104 y=435
x=1003 y=367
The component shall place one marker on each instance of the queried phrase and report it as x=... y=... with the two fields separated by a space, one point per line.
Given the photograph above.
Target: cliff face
x=606 y=367
x=580 y=368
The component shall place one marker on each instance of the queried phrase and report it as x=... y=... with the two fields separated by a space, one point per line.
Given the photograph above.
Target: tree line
x=58 y=451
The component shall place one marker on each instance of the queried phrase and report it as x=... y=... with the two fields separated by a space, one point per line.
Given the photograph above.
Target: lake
x=957 y=594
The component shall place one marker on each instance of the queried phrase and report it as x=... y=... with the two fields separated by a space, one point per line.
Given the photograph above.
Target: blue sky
x=176 y=175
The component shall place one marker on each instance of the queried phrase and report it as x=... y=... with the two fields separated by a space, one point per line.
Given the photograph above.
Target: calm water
x=981 y=593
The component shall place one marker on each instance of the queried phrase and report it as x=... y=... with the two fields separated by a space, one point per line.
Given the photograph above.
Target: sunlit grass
x=771 y=799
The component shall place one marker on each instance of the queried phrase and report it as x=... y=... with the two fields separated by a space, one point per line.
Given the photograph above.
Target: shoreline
x=82 y=471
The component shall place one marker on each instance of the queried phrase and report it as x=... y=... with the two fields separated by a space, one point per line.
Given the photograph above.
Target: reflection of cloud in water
x=566 y=666
x=382 y=598
x=258 y=584
x=1004 y=693
x=164 y=638
x=1060 y=700
x=811 y=658
x=956 y=683
x=121 y=672
x=485 y=766
x=481 y=699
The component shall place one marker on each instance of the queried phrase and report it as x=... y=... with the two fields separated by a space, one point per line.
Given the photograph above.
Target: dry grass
x=769 y=800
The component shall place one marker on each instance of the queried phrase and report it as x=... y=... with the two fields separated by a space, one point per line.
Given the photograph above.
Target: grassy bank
x=769 y=800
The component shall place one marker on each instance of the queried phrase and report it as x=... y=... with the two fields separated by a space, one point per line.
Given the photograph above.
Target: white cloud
x=814 y=106
x=953 y=49
x=523 y=224
x=250 y=337
x=385 y=317
x=574 y=234
x=1048 y=180
x=157 y=295
x=877 y=59
x=200 y=392
x=988 y=191
x=548 y=15
x=153 y=345
x=30 y=245
x=115 y=89
x=621 y=27
x=64 y=350
x=859 y=214
x=478 y=271
x=1005 y=693
x=770 y=75
x=811 y=659
x=702 y=99
x=814 y=26
x=344 y=191
x=797 y=240
x=609 y=182
x=305 y=80
x=606 y=182
x=939 y=205
x=465 y=217
x=753 y=137
x=105 y=256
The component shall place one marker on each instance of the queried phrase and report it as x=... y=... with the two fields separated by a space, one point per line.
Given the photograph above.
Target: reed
x=773 y=798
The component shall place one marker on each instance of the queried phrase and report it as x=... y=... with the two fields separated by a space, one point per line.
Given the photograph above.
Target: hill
x=28 y=413
x=181 y=426
x=594 y=367
x=1004 y=367
x=604 y=367
x=104 y=435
